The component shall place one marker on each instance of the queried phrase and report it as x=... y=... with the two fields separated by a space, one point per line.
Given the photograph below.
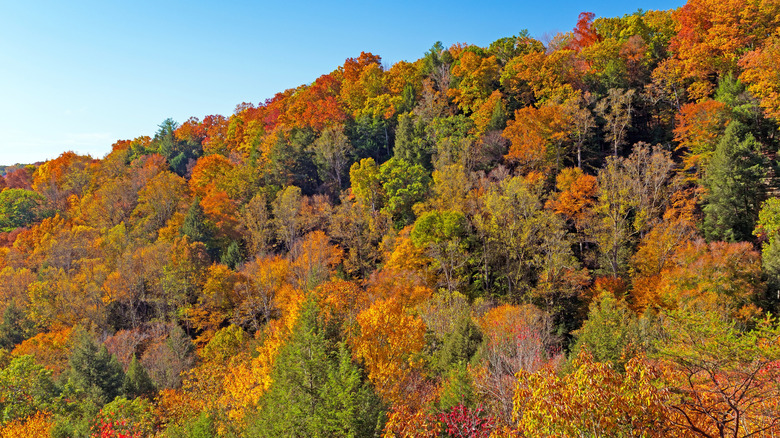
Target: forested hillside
x=572 y=238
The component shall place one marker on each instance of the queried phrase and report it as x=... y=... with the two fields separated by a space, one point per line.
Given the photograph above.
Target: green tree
x=735 y=186
x=18 y=208
x=444 y=236
x=137 y=382
x=232 y=256
x=405 y=185
x=95 y=371
x=195 y=225
x=16 y=327
x=610 y=332
x=25 y=388
x=317 y=391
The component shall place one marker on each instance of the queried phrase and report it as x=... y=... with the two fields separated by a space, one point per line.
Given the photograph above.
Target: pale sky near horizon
x=81 y=75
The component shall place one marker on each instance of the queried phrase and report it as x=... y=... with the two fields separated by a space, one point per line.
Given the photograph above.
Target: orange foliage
x=208 y=172
x=341 y=301
x=576 y=197
x=50 y=349
x=762 y=74
x=712 y=34
x=406 y=422
x=477 y=78
x=720 y=276
x=699 y=125
x=316 y=106
x=539 y=136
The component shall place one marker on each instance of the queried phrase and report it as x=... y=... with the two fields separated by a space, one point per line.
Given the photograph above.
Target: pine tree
x=137 y=382
x=195 y=225
x=734 y=183
x=232 y=255
x=316 y=392
x=95 y=371
x=15 y=327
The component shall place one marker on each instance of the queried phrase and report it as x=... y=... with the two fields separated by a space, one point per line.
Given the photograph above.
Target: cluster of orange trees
x=577 y=239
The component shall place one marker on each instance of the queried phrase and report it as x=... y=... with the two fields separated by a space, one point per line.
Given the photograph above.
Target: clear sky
x=79 y=75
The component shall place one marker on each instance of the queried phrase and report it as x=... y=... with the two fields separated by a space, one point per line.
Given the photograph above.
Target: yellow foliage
x=35 y=426
x=389 y=340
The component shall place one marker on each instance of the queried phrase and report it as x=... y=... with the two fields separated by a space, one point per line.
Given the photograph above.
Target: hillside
x=573 y=239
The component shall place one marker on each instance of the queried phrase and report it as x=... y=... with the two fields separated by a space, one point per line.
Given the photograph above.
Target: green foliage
x=366 y=184
x=411 y=141
x=16 y=327
x=768 y=229
x=196 y=226
x=610 y=333
x=405 y=184
x=232 y=255
x=202 y=427
x=25 y=388
x=133 y=417
x=137 y=382
x=19 y=208
x=95 y=371
x=457 y=389
x=316 y=391
x=735 y=187
x=459 y=346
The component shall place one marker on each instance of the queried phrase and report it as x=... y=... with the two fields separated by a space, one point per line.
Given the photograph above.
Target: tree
x=721 y=379
x=255 y=218
x=195 y=225
x=331 y=155
x=137 y=382
x=287 y=220
x=610 y=333
x=594 y=400
x=539 y=137
x=316 y=391
x=762 y=74
x=389 y=338
x=616 y=109
x=444 y=236
x=15 y=327
x=405 y=185
x=95 y=371
x=25 y=388
x=19 y=208
x=735 y=186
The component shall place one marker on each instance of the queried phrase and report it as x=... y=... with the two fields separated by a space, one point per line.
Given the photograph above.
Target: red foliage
x=464 y=422
x=584 y=33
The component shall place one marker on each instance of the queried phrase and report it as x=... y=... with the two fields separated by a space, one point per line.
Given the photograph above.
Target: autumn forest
x=575 y=238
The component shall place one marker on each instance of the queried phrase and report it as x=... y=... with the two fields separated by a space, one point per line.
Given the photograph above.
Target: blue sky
x=80 y=75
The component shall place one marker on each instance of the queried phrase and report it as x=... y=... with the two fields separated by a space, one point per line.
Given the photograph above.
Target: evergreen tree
x=458 y=389
x=15 y=327
x=137 y=382
x=232 y=255
x=195 y=225
x=459 y=346
x=95 y=371
x=316 y=392
x=734 y=184
x=610 y=332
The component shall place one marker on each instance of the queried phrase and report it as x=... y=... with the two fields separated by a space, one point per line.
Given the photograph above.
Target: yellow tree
x=390 y=338
x=594 y=400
